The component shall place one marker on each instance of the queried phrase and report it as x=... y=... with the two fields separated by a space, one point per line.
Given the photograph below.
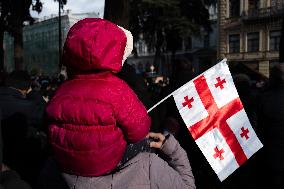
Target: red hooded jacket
x=94 y=114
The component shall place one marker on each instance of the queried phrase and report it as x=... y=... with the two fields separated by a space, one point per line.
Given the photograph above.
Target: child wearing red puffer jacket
x=94 y=113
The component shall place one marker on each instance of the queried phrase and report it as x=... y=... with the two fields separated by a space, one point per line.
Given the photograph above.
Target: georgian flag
x=213 y=112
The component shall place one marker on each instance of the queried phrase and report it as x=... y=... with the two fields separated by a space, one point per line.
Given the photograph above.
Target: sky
x=76 y=6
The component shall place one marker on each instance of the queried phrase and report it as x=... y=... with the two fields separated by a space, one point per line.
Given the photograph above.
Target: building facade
x=199 y=50
x=250 y=31
x=41 y=41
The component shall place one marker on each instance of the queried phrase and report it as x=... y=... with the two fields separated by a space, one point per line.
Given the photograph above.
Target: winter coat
x=37 y=99
x=14 y=104
x=271 y=123
x=146 y=170
x=18 y=116
x=94 y=114
x=11 y=180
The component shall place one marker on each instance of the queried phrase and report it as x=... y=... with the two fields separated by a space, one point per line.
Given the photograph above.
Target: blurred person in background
x=21 y=151
x=270 y=120
x=9 y=179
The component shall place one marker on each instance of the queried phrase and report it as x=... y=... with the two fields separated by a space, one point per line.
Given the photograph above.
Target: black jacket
x=12 y=103
x=271 y=123
x=20 y=152
x=11 y=180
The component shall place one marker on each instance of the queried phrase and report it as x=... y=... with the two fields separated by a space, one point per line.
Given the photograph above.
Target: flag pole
x=160 y=102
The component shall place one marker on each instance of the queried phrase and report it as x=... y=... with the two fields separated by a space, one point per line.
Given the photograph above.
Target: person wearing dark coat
x=39 y=102
x=9 y=179
x=20 y=152
x=271 y=119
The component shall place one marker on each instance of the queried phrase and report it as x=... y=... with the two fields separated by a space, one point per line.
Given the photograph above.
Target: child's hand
x=157 y=140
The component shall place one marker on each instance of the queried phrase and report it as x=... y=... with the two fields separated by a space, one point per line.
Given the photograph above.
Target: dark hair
x=19 y=80
x=275 y=78
x=3 y=77
x=183 y=63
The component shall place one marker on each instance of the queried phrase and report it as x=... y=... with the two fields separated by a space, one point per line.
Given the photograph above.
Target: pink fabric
x=93 y=114
x=94 y=44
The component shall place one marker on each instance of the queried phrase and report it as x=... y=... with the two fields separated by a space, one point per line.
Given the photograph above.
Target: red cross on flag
x=213 y=112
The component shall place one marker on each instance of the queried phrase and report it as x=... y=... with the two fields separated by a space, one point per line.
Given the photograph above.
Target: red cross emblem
x=245 y=133
x=220 y=83
x=188 y=102
x=218 y=153
x=217 y=118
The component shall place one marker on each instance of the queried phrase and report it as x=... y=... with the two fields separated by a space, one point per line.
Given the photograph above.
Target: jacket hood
x=94 y=45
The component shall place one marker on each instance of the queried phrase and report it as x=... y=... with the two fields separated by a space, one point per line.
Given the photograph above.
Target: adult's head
x=182 y=73
x=94 y=45
x=19 y=80
x=183 y=63
x=242 y=82
x=276 y=78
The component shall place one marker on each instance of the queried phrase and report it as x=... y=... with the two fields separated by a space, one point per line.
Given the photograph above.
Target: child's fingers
x=155 y=145
x=156 y=136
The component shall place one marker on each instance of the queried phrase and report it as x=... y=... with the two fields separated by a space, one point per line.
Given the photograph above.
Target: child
x=94 y=113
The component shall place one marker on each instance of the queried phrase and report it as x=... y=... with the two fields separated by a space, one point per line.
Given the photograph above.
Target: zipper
x=74 y=186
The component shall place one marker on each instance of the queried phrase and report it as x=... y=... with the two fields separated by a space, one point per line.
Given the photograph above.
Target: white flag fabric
x=213 y=112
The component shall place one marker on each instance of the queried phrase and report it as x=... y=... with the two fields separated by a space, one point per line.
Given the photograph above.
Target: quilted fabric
x=94 y=114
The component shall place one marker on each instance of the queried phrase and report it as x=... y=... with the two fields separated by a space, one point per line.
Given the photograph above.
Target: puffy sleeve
x=131 y=115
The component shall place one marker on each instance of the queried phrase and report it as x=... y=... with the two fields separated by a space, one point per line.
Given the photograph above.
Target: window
x=274 y=40
x=253 y=8
x=140 y=47
x=253 y=4
x=234 y=8
x=37 y=37
x=275 y=4
x=253 y=42
x=273 y=63
x=254 y=65
x=234 y=43
x=188 y=43
x=206 y=41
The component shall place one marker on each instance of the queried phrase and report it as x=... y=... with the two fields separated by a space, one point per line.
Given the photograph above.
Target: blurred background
x=246 y=32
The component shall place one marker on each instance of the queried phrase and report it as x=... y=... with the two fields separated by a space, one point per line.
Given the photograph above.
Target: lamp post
x=152 y=69
x=59 y=33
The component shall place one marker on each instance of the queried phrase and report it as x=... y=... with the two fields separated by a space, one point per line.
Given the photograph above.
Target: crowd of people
x=92 y=129
x=24 y=138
